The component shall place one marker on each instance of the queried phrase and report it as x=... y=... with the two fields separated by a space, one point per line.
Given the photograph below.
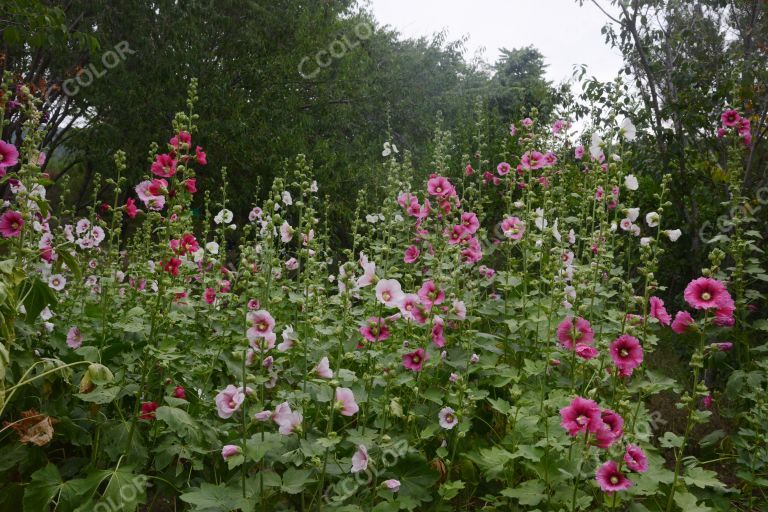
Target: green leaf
x=215 y=498
x=527 y=493
x=687 y=502
x=450 y=490
x=294 y=480
x=702 y=478
x=45 y=485
x=101 y=395
x=178 y=420
x=37 y=295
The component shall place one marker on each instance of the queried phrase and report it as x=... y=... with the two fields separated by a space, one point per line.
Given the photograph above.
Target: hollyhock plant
x=430 y=295
x=9 y=155
x=345 y=402
x=682 y=321
x=229 y=401
x=389 y=292
x=611 y=479
x=359 y=459
x=74 y=338
x=323 y=369
x=375 y=329
x=286 y=419
x=513 y=228
x=447 y=418
x=627 y=354
x=635 y=459
x=11 y=223
x=582 y=415
x=415 y=360
x=658 y=312
x=706 y=293
x=571 y=333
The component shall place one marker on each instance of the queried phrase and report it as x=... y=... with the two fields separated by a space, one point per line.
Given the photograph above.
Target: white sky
x=564 y=33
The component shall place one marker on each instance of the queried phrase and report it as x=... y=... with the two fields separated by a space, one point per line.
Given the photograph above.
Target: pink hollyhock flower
x=635 y=459
x=345 y=402
x=473 y=251
x=148 y=410
x=723 y=346
x=582 y=415
x=164 y=166
x=705 y=293
x=263 y=416
x=408 y=305
x=286 y=232
x=392 y=484
x=430 y=294
x=369 y=272
x=359 y=459
x=707 y=401
x=286 y=419
x=172 y=266
x=375 y=330
x=438 y=332
x=415 y=360
x=447 y=418
x=578 y=153
x=527 y=122
x=459 y=309
x=550 y=159
x=559 y=126
x=130 y=208
x=571 y=333
x=455 y=234
x=503 y=168
x=9 y=155
x=292 y=264
x=262 y=324
x=74 y=338
x=183 y=136
x=253 y=304
x=658 y=312
x=586 y=352
x=191 y=185
x=611 y=479
x=179 y=392
x=512 y=130
x=262 y=343
x=682 y=320
x=532 y=160
x=57 y=282
x=200 y=156
x=730 y=118
x=11 y=223
x=513 y=228
x=724 y=313
x=229 y=451
x=323 y=369
x=210 y=295
x=468 y=170
x=612 y=430
x=229 y=401
x=389 y=292
x=411 y=254
x=440 y=187
x=474 y=359
x=627 y=354
x=470 y=222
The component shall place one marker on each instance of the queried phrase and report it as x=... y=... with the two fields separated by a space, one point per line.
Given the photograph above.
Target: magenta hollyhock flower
x=323 y=369
x=724 y=312
x=229 y=401
x=571 y=333
x=447 y=418
x=613 y=428
x=130 y=208
x=550 y=159
x=179 y=392
x=503 y=168
x=730 y=118
x=210 y=295
x=681 y=322
x=627 y=354
x=411 y=254
x=415 y=360
x=164 y=166
x=389 y=292
x=11 y=223
x=723 y=346
x=532 y=160
x=455 y=234
x=229 y=451
x=345 y=401
x=200 y=156
x=438 y=332
x=559 y=125
x=430 y=294
x=262 y=324
x=706 y=293
x=470 y=222
x=611 y=479
x=513 y=228
x=440 y=187
x=183 y=136
x=375 y=330
x=578 y=153
x=635 y=459
x=359 y=459
x=582 y=415
x=286 y=419
x=658 y=312
x=148 y=410
x=74 y=338
x=586 y=352
x=9 y=155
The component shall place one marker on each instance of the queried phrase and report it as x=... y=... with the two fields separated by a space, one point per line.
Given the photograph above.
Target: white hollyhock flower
x=555 y=232
x=212 y=247
x=287 y=199
x=628 y=130
x=631 y=182
x=539 y=219
x=595 y=147
x=673 y=234
x=646 y=241
x=652 y=219
x=223 y=217
x=633 y=213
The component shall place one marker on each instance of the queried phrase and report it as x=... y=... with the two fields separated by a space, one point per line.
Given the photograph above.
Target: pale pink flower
x=229 y=451
x=389 y=292
x=323 y=369
x=229 y=401
x=74 y=338
x=359 y=459
x=447 y=418
x=345 y=401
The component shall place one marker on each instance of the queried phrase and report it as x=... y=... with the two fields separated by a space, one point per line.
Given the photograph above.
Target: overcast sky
x=565 y=33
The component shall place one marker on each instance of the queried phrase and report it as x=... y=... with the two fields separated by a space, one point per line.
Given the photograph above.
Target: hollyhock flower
x=11 y=223
x=705 y=293
x=470 y=222
x=229 y=401
x=512 y=130
x=184 y=137
x=440 y=187
x=626 y=224
x=586 y=352
x=628 y=130
x=389 y=292
x=456 y=234
x=263 y=416
x=559 y=126
x=74 y=338
x=409 y=304
x=468 y=170
x=148 y=410
x=292 y=264
x=369 y=272
x=582 y=415
x=391 y=484
x=730 y=118
x=612 y=430
x=9 y=155
x=430 y=295
x=627 y=354
x=210 y=295
x=611 y=479
x=223 y=217
x=578 y=153
x=447 y=418
x=652 y=219
x=262 y=324
x=286 y=419
x=474 y=359
x=635 y=459
x=630 y=181
x=172 y=266
x=359 y=459
x=57 y=282
x=571 y=333
x=633 y=213
x=179 y=392
x=706 y=402
x=459 y=309
x=724 y=318
x=200 y=156
x=681 y=322
x=673 y=234
x=229 y=451
x=415 y=360
x=513 y=228
x=532 y=160
x=658 y=312
x=323 y=369
x=375 y=330
x=411 y=254
x=164 y=166
x=438 y=330
x=345 y=402
x=191 y=185
x=550 y=159
x=503 y=168
x=130 y=208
